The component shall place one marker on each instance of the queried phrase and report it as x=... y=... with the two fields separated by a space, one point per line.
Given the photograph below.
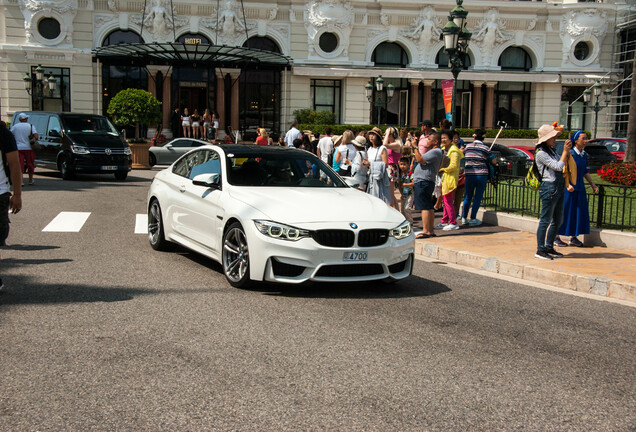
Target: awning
x=190 y=55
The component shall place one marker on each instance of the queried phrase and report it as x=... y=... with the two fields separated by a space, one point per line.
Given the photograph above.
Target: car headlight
x=280 y=231
x=126 y=150
x=80 y=149
x=402 y=231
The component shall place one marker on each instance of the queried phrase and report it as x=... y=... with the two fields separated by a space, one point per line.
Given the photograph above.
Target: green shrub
x=134 y=107
x=307 y=115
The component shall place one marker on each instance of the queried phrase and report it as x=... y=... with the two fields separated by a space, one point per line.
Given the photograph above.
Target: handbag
x=33 y=142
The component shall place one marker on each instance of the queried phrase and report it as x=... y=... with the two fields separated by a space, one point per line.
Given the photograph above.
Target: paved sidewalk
x=596 y=270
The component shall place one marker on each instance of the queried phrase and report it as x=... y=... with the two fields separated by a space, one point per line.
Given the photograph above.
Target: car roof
x=246 y=149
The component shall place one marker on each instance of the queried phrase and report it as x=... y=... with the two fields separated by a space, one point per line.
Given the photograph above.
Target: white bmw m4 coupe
x=268 y=213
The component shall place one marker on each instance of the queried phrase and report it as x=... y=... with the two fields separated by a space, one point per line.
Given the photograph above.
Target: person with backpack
x=550 y=172
x=10 y=174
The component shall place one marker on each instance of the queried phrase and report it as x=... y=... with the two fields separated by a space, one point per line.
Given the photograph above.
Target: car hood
x=96 y=140
x=302 y=205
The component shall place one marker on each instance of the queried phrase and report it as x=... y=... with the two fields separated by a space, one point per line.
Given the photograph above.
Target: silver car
x=171 y=151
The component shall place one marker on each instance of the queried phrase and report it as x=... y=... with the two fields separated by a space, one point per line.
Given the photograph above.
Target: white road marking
x=67 y=222
x=141 y=224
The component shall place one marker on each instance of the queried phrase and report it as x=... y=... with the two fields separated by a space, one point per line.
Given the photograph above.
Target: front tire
x=235 y=256
x=65 y=169
x=156 y=233
x=153 y=159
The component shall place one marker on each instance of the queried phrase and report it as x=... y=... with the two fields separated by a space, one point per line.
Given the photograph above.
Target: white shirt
x=325 y=145
x=21 y=132
x=347 y=151
x=292 y=135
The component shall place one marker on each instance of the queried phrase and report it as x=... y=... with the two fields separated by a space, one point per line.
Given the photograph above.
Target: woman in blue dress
x=576 y=214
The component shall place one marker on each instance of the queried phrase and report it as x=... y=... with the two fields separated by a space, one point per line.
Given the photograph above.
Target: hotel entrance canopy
x=189 y=55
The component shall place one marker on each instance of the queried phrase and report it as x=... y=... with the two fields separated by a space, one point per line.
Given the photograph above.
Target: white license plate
x=109 y=168
x=355 y=256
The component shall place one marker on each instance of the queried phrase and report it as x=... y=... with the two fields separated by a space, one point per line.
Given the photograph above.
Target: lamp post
x=379 y=95
x=596 y=91
x=456 y=39
x=40 y=83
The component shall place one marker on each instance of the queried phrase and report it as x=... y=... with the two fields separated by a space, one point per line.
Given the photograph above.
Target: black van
x=79 y=143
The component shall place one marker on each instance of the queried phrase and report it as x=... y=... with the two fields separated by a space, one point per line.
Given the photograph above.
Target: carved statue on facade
x=425 y=31
x=490 y=32
x=34 y=10
x=158 y=19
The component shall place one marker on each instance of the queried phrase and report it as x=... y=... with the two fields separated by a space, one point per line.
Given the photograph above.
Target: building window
x=42 y=99
x=515 y=59
x=512 y=101
x=328 y=42
x=326 y=96
x=442 y=60
x=49 y=28
x=389 y=55
x=259 y=94
x=572 y=112
x=581 y=51
x=117 y=77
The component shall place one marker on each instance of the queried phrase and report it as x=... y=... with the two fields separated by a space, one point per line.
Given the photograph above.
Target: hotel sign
x=193 y=40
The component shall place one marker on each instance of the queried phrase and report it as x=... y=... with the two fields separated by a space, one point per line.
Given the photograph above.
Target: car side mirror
x=351 y=182
x=168 y=146
x=207 y=180
x=55 y=133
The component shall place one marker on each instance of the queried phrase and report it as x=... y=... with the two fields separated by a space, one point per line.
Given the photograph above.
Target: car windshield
x=505 y=151
x=88 y=124
x=280 y=169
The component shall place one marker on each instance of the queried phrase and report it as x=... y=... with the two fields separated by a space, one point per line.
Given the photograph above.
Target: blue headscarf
x=576 y=136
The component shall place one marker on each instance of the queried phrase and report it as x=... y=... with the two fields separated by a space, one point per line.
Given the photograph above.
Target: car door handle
x=182 y=188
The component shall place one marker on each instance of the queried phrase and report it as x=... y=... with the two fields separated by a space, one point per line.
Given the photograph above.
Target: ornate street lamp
x=596 y=91
x=456 y=40
x=379 y=95
x=41 y=84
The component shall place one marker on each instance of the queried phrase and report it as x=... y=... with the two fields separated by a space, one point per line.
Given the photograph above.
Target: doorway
x=193 y=98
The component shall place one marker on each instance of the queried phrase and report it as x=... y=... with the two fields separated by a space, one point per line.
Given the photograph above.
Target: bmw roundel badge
x=354 y=226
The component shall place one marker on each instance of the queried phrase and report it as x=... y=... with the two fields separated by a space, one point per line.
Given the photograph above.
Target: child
x=405 y=185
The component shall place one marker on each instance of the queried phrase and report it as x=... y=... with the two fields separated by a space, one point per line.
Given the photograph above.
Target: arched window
x=259 y=93
x=515 y=59
x=117 y=77
x=442 y=60
x=389 y=54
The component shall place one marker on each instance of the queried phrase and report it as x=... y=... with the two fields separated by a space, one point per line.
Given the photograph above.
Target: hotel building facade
x=528 y=61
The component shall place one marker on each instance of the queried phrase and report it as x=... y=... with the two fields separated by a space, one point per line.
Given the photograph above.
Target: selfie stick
x=501 y=127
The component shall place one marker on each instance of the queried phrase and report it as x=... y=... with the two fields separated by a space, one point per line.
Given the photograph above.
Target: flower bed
x=621 y=173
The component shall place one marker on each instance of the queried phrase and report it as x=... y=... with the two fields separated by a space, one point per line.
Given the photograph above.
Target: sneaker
x=474 y=222
x=542 y=255
x=560 y=243
x=576 y=242
x=451 y=227
x=553 y=253
x=439 y=226
x=464 y=221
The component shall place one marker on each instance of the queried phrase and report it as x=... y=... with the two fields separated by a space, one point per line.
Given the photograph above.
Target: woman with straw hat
x=550 y=168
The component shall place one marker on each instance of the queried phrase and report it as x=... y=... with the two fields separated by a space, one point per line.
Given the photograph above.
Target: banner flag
x=447 y=92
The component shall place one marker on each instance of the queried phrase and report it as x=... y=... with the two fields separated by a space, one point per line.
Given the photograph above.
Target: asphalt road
x=100 y=332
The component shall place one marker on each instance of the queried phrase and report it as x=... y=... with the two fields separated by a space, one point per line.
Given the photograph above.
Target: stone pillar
x=234 y=104
x=489 y=115
x=427 y=100
x=167 y=102
x=220 y=99
x=152 y=81
x=475 y=121
x=413 y=98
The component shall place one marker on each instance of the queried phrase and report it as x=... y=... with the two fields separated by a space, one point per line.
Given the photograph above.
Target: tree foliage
x=134 y=107
x=307 y=115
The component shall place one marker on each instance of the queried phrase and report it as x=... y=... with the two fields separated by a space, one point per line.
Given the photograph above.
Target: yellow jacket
x=451 y=172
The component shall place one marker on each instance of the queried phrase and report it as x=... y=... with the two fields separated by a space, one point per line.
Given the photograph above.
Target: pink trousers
x=449 y=217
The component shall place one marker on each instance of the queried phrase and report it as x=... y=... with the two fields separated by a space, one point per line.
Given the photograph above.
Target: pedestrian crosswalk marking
x=67 y=222
x=141 y=224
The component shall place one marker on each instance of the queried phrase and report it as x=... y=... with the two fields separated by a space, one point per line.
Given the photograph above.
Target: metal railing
x=613 y=207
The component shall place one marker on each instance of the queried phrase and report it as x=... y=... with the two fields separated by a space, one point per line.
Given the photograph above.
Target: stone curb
x=587 y=284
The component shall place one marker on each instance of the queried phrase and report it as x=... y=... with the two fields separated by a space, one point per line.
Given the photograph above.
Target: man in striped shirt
x=477 y=156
